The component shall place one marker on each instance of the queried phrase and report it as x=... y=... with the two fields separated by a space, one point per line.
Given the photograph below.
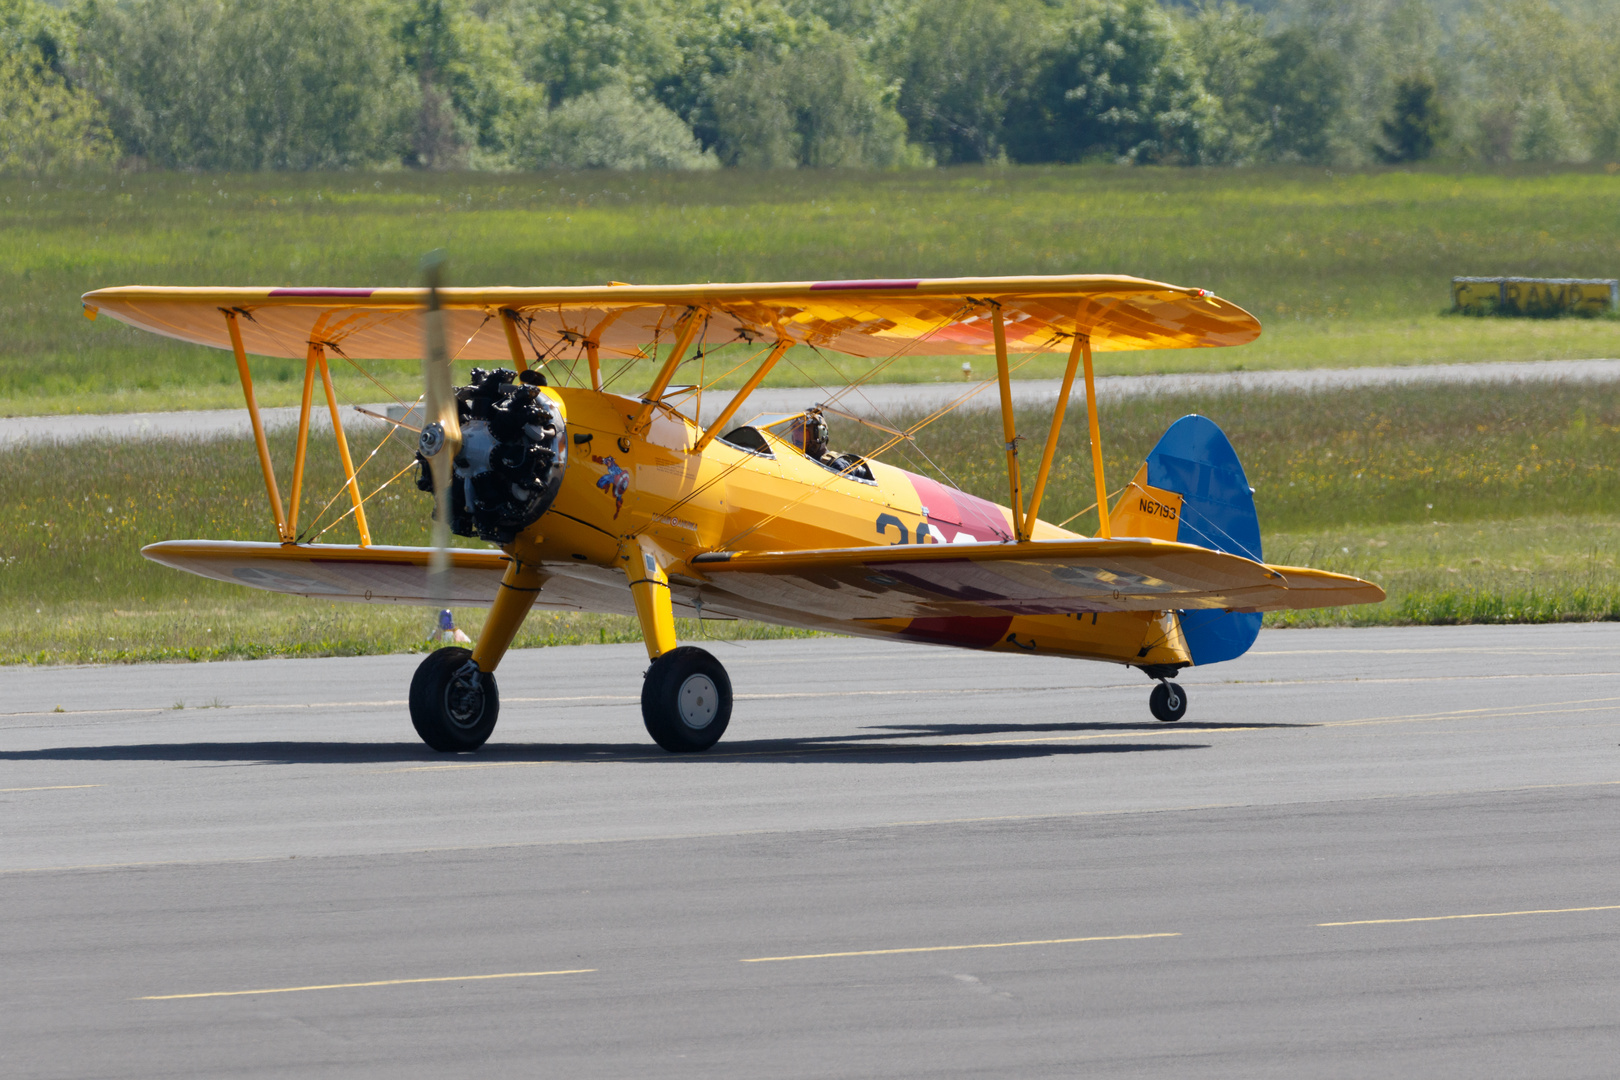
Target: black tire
x=453 y=704
x=686 y=700
x=1168 y=702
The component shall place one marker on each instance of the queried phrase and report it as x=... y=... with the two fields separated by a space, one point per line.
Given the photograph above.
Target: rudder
x=1195 y=460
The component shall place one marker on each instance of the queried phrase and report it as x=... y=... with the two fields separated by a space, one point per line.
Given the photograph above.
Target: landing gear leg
x=454 y=703
x=686 y=697
x=1168 y=702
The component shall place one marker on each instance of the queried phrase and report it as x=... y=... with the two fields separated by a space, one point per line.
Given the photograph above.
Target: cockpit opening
x=808 y=434
x=749 y=439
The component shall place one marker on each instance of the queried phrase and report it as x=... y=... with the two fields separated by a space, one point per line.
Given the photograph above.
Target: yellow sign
x=1535 y=296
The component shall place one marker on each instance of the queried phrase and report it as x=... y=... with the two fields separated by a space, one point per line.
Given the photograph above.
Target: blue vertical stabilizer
x=1195 y=460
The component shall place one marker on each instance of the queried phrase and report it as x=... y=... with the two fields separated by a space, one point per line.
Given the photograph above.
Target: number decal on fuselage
x=885 y=520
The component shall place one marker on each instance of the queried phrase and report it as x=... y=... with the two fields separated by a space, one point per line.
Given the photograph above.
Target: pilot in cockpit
x=808 y=432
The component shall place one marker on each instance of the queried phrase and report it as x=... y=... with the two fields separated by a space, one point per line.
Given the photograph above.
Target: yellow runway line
x=1482 y=915
x=51 y=787
x=353 y=985
x=1489 y=712
x=954 y=948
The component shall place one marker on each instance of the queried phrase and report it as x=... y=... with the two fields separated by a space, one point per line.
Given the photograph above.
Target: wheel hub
x=464 y=697
x=698 y=702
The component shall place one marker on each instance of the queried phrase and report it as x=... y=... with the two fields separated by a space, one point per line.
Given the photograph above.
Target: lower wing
x=386 y=575
x=1035 y=578
x=906 y=581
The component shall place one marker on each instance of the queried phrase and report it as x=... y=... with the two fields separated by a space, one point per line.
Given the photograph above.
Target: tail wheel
x=453 y=704
x=1168 y=702
x=686 y=700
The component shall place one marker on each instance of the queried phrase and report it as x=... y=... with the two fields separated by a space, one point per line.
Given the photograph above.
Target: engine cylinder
x=514 y=448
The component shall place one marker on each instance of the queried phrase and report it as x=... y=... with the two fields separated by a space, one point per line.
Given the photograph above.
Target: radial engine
x=514 y=449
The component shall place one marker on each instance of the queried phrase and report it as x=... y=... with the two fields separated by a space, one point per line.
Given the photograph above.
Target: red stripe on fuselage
x=966 y=631
x=951 y=513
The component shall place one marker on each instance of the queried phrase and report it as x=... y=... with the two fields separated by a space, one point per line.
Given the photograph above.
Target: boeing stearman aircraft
x=596 y=500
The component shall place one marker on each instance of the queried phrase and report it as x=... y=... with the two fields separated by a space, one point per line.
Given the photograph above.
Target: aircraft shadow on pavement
x=927 y=731
x=798 y=751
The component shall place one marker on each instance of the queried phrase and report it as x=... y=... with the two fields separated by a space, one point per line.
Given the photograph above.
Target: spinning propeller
x=441 y=430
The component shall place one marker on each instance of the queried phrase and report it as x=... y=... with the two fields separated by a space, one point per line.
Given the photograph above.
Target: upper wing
x=1035 y=578
x=942 y=316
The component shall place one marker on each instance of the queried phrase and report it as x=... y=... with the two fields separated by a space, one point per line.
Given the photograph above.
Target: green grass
x=1491 y=503
x=1343 y=270
x=75 y=589
x=1468 y=504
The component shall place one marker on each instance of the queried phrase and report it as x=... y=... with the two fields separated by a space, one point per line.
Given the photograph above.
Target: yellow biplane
x=610 y=502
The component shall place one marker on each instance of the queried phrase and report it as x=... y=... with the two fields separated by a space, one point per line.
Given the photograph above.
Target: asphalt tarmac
x=1363 y=853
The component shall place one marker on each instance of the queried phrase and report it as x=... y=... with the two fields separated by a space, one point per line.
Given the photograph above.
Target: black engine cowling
x=514 y=449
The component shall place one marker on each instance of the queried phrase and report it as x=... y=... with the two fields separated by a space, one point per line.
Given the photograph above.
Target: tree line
x=696 y=84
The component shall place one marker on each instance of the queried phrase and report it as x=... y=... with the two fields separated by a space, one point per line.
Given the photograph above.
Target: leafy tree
x=1417 y=123
x=960 y=65
x=572 y=47
x=713 y=39
x=1119 y=83
x=47 y=122
x=257 y=84
x=471 y=87
x=610 y=128
x=1229 y=48
x=820 y=107
x=870 y=24
x=1545 y=131
x=1299 y=100
x=1369 y=45
x=1547 y=81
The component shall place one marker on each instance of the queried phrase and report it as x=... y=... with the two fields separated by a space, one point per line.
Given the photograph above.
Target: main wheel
x=686 y=700
x=1168 y=702
x=453 y=704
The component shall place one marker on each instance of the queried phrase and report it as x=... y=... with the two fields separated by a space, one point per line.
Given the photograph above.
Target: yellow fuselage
x=648 y=480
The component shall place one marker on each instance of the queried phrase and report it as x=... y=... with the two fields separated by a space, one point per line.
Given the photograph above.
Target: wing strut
x=1103 y=529
x=594 y=360
x=683 y=338
x=1058 y=411
x=1008 y=427
x=302 y=452
x=741 y=395
x=270 y=488
x=509 y=320
x=343 y=447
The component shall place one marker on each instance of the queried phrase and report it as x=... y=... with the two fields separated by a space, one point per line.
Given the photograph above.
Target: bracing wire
x=339 y=519
x=929 y=419
x=343 y=485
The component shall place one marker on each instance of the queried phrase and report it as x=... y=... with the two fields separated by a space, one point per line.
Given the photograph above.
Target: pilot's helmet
x=809 y=434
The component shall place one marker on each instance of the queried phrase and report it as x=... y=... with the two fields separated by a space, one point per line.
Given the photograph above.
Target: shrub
x=256 y=84
x=610 y=128
x=1118 y=83
x=820 y=107
x=45 y=124
x=1416 y=123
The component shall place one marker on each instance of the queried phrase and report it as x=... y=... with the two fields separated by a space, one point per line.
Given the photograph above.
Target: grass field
x=1474 y=504
x=1343 y=270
